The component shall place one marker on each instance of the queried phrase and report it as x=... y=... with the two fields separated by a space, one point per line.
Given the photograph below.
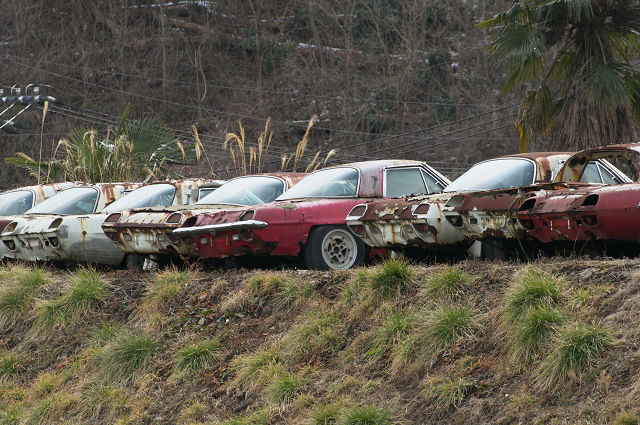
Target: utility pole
x=18 y=96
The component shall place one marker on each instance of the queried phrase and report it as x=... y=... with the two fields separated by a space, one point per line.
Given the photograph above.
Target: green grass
x=531 y=288
x=576 y=348
x=294 y=290
x=10 y=416
x=443 y=326
x=325 y=414
x=9 y=365
x=21 y=284
x=165 y=286
x=448 y=283
x=626 y=419
x=318 y=335
x=392 y=278
x=367 y=415
x=127 y=354
x=394 y=329
x=84 y=293
x=260 y=418
x=50 y=409
x=533 y=330
x=446 y=392
x=284 y=388
x=104 y=400
x=197 y=356
x=254 y=369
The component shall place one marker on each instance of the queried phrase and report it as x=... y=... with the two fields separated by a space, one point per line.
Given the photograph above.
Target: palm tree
x=135 y=150
x=578 y=54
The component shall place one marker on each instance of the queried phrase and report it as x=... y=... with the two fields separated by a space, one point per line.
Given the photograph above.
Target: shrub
x=450 y=282
x=285 y=388
x=397 y=325
x=368 y=415
x=392 y=278
x=533 y=330
x=576 y=348
x=197 y=356
x=532 y=288
x=86 y=291
x=126 y=354
x=447 y=392
x=165 y=286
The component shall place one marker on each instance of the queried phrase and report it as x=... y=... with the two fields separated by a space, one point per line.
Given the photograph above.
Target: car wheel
x=333 y=248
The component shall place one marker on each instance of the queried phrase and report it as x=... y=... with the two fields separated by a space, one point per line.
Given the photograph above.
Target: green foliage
x=325 y=414
x=450 y=282
x=397 y=325
x=165 y=286
x=445 y=325
x=532 y=288
x=132 y=151
x=533 y=330
x=447 y=392
x=81 y=296
x=197 y=356
x=368 y=415
x=126 y=354
x=577 y=348
x=260 y=418
x=626 y=419
x=284 y=388
x=254 y=369
x=319 y=334
x=582 y=52
x=9 y=365
x=10 y=416
x=50 y=409
x=21 y=284
x=294 y=290
x=392 y=278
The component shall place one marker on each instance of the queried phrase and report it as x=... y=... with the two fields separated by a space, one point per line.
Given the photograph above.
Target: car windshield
x=252 y=190
x=15 y=203
x=74 y=201
x=330 y=183
x=155 y=195
x=495 y=174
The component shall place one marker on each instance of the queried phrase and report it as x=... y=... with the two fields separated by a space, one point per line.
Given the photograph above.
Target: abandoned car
x=146 y=231
x=308 y=221
x=18 y=201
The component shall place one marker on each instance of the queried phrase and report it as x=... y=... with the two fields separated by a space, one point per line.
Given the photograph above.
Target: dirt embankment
x=476 y=343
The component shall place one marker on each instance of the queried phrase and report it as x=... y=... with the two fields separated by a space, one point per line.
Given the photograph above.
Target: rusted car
x=479 y=205
x=308 y=220
x=598 y=215
x=68 y=227
x=146 y=231
x=18 y=201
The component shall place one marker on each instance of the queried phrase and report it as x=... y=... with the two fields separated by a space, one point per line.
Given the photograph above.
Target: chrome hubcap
x=339 y=249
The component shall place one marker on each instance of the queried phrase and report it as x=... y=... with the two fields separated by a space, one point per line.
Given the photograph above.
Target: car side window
x=607 y=176
x=591 y=174
x=433 y=185
x=405 y=182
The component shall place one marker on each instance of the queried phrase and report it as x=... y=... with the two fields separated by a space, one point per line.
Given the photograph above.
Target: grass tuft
x=532 y=288
x=165 y=286
x=533 y=330
x=17 y=294
x=260 y=418
x=368 y=415
x=397 y=325
x=449 y=283
x=125 y=355
x=254 y=369
x=325 y=414
x=9 y=365
x=446 y=392
x=626 y=419
x=318 y=335
x=392 y=278
x=445 y=325
x=197 y=356
x=284 y=388
x=576 y=348
x=81 y=296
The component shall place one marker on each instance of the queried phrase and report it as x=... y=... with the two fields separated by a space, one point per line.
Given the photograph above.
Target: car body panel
x=146 y=230
x=290 y=221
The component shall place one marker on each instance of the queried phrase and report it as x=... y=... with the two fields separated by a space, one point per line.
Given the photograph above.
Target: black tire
x=134 y=262
x=333 y=248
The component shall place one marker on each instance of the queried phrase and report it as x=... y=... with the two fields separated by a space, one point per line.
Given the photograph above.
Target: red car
x=309 y=219
x=607 y=214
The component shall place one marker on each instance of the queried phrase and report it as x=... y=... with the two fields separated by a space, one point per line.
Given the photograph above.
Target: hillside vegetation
x=553 y=342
